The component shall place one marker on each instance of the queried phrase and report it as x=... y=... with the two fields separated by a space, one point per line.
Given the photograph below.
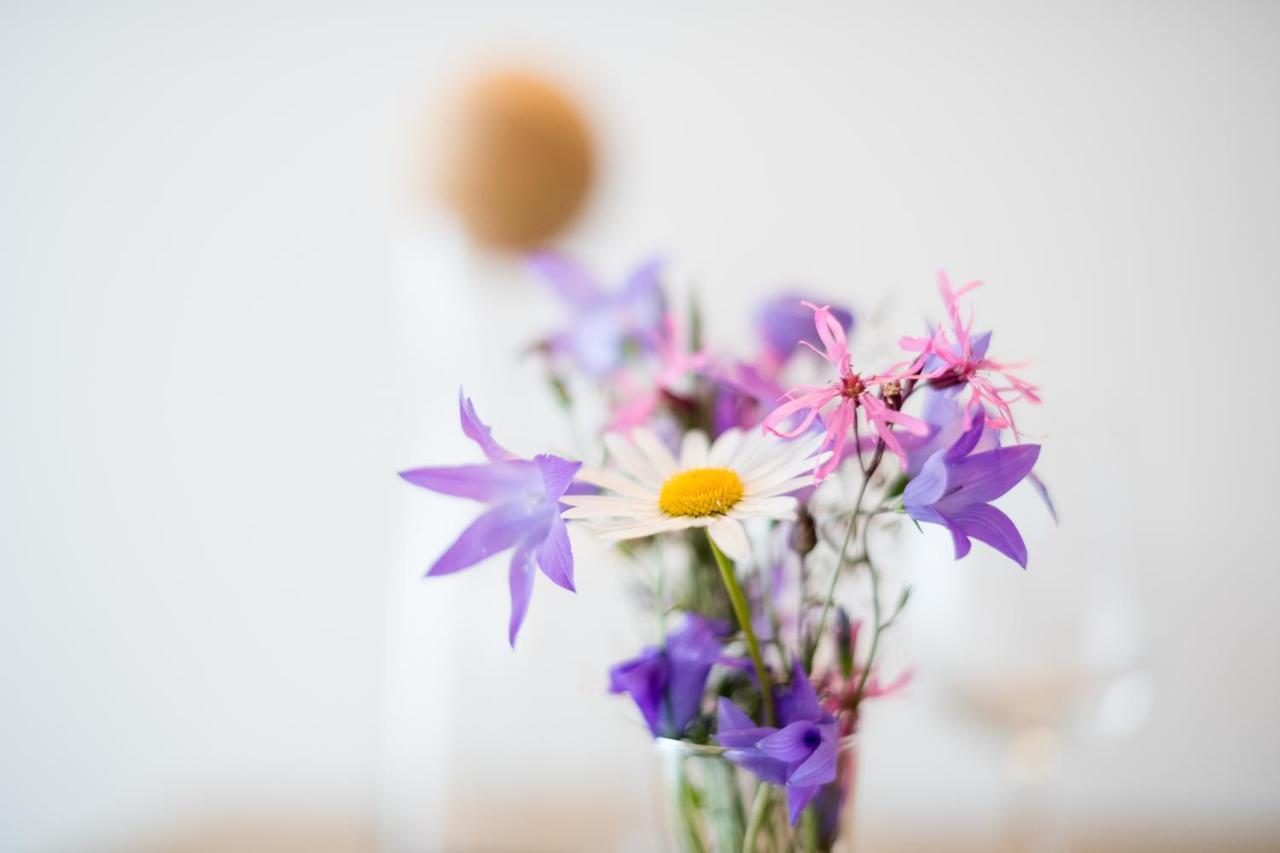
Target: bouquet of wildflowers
x=750 y=487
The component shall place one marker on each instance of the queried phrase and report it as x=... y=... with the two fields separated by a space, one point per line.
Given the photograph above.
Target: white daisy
x=717 y=486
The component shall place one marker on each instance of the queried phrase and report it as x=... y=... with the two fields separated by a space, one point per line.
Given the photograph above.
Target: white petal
x=766 y=504
x=782 y=466
x=608 y=502
x=794 y=449
x=611 y=525
x=786 y=487
x=605 y=512
x=631 y=460
x=665 y=524
x=693 y=451
x=730 y=538
x=778 y=515
x=779 y=508
x=578 y=513
x=805 y=445
x=757 y=451
x=659 y=457
x=724 y=448
x=617 y=482
x=745 y=455
x=768 y=479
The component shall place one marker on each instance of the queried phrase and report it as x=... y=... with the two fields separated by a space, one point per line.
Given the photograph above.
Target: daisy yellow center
x=700 y=492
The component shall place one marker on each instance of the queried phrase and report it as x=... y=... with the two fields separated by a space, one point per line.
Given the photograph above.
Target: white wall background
x=226 y=322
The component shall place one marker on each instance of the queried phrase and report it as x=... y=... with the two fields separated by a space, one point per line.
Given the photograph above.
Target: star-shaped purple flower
x=801 y=755
x=604 y=323
x=667 y=683
x=523 y=498
x=955 y=488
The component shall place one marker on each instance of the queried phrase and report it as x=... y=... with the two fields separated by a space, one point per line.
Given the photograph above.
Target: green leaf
x=898 y=486
x=560 y=391
x=903 y=599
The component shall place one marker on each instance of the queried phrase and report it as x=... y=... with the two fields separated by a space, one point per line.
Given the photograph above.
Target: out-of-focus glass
x=709 y=804
x=1040 y=657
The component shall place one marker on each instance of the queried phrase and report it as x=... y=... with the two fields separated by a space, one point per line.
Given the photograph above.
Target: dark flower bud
x=892 y=393
x=804 y=535
x=844 y=641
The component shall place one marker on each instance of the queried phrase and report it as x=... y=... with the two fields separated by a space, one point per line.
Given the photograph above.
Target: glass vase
x=711 y=805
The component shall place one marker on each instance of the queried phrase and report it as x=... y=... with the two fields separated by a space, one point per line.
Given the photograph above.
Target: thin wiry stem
x=868 y=472
x=831 y=590
x=875 y=634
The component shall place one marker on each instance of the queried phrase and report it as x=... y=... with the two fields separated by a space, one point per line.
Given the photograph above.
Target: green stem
x=758 y=810
x=875 y=633
x=689 y=823
x=809 y=830
x=743 y=612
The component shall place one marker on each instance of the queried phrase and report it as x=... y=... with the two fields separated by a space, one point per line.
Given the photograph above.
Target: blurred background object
x=228 y=321
x=1039 y=662
x=519 y=159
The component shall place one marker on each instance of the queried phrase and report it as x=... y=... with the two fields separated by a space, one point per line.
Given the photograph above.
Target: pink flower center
x=852 y=387
x=957 y=375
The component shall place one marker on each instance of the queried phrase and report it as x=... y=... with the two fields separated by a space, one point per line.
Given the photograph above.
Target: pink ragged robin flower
x=850 y=391
x=675 y=362
x=956 y=356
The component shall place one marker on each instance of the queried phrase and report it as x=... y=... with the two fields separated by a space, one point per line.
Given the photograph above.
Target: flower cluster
x=770 y=476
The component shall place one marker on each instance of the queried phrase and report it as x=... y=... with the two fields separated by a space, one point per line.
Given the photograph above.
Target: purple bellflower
x=801 y=755
x=784 y=323
x=523 y=498
x=955 y=488
x=667 y=683
x=744 y=395
x=945 y=417
x=604 y=323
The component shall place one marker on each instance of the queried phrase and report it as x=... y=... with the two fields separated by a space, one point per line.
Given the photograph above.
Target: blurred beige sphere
x=518 y=160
